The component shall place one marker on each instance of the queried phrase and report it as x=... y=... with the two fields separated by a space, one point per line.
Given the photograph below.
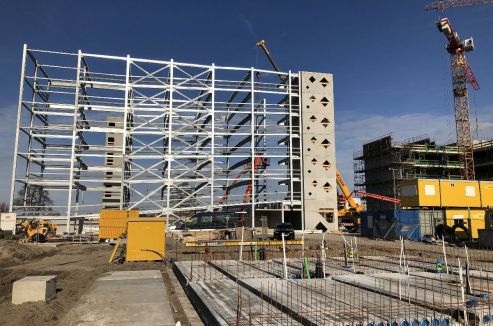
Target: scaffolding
x=164 y=137
x=483 y=159
x=383 y=163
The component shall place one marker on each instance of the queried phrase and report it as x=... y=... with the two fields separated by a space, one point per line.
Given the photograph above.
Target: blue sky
x=392 y=73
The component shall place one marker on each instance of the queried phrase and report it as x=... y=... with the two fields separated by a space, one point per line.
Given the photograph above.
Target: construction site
x=150 y=191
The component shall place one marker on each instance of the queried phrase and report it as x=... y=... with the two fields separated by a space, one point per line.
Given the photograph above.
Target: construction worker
x=440 y=265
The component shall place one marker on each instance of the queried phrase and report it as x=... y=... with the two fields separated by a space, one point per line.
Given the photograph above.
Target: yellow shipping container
x=420 y=193
x=459 y=216
x=146 y=239
x=113 y=223
x=460 y=193
x=486 y=193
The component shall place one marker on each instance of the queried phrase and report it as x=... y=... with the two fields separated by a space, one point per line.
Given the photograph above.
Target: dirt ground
x=76 y=266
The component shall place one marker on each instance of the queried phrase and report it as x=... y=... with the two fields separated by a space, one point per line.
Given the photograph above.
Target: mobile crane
x=349 y=218
x=259 y=162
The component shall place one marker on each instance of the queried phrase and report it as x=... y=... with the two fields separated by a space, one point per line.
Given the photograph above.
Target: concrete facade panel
x=319 y=163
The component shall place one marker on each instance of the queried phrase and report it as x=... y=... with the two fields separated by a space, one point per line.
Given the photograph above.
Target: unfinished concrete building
x=172 y=139
x=383 y=163
x=483 y=159
x=113 y=165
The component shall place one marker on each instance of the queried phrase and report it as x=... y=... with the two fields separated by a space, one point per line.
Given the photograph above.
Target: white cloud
x=353 y=130
x=248 y=24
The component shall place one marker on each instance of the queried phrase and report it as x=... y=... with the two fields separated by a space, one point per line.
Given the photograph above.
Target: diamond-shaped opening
x=324 y=101
x=312 y=79
x=309 y=171
x=314 y=140
x=314 y=161
x=313 y=118
x=325 y=143
x=327 y=186
x=320 y=226
x=314 y=183
x=325 y=122
x=313 y=98
x=326 y=165
x=324 y=82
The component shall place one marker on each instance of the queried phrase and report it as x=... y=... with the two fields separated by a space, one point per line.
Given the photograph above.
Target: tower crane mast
x=461 y=75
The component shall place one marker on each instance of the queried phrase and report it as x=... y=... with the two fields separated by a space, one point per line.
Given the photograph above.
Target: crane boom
x=379 y=197
x=442 y=5
x=262 y=45
x=260 y=162
x=347 y=194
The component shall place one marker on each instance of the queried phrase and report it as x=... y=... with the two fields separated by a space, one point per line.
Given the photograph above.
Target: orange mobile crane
x=349 y=218
x=259 y=162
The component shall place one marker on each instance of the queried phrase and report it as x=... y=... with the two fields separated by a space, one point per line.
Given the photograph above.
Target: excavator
x=259 y=162
x=36 y=230
x=348 y=217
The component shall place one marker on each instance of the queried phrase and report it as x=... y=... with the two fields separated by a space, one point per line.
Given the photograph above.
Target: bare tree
x=4 y=207
x=36 y=197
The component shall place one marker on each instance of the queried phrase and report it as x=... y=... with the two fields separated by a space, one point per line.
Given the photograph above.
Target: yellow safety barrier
x=234 y=243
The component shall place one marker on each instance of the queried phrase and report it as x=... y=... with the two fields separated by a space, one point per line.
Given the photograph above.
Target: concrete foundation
x=372 y=290
x=124 y=298
x=34 y=288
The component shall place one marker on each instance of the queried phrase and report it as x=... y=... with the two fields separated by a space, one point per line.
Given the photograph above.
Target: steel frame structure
x=188 y=132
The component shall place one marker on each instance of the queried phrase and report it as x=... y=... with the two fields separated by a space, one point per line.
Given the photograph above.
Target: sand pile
x=12 y=252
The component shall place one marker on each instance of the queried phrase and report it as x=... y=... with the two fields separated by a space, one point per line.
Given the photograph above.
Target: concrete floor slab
x=124 y=298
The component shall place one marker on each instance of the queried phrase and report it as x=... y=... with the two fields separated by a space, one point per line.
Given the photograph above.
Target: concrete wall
x=113 y=165
x=318 y=141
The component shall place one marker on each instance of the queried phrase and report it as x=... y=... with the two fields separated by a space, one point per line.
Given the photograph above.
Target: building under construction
x=483 y=159
x=383 y=163
x=171 y=139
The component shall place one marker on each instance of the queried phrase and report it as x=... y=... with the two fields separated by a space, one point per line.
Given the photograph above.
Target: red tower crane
x=461 y=75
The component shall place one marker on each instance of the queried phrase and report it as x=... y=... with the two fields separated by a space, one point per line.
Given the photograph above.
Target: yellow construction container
x=486 y=188
x=460 y=193
x=420 y=193
x=113 y=223
x=146 y=239
x=473 y=219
